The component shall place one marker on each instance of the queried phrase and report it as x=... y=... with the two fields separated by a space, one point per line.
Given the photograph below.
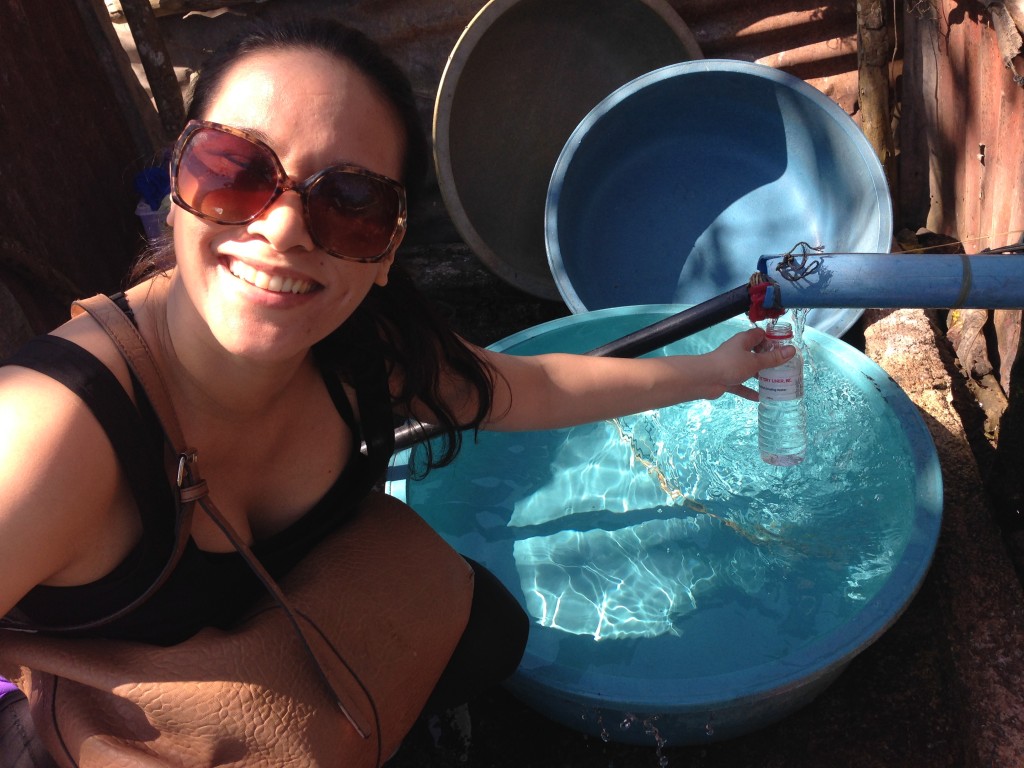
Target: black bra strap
x=122 y=303
x=376 y=416
x=340 y=400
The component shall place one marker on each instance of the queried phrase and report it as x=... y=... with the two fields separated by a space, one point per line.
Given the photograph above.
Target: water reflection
x=667 y=526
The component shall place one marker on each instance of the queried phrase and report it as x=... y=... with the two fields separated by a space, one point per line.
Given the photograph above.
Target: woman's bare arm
x=556 y=390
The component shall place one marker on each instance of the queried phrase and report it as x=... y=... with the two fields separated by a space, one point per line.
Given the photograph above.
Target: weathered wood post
x=874 y=56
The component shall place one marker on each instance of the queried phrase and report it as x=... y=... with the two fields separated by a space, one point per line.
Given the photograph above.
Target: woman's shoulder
x=58 y=474
x=56 y=392
x=49 y=386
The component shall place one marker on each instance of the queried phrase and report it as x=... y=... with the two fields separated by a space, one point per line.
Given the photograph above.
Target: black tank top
x=206 y=588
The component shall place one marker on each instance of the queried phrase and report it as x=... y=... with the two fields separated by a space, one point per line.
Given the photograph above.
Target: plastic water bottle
x=781 y=415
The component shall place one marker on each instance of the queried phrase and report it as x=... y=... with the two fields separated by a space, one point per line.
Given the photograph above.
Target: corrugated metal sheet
x=966 y=115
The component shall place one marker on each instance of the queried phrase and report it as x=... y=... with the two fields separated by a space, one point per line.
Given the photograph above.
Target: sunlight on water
x=666 y=527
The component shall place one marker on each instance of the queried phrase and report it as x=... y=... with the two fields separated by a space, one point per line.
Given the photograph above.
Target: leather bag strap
x=191 y=488
x=133 y=348
x=183 y=468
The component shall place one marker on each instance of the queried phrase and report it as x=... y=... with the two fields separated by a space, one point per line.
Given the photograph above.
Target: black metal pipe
x=647 y=339
x=678 y=326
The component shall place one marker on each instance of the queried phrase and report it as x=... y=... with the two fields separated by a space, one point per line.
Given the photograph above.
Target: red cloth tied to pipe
x=758 y=310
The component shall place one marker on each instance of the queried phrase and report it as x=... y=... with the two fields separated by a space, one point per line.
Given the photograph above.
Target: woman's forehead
x=289 y=78
x=298 y=99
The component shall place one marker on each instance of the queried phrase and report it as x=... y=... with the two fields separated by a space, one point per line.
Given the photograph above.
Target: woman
x=269 y=317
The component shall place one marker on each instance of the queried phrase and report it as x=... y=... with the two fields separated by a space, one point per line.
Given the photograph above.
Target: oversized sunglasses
x=226 y=175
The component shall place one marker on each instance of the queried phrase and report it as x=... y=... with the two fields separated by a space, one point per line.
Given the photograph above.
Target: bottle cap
x=779 y=330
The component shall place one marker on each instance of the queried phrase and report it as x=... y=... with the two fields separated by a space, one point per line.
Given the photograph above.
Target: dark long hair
x=395 y=321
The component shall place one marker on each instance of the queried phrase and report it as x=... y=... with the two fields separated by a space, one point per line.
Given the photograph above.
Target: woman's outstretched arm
x=557 y=390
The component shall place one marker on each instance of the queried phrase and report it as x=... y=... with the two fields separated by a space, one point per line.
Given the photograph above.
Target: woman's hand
x=736 y=361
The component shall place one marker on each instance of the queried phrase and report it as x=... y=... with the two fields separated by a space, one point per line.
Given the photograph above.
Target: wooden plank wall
x=814 y=40
x=962 y=160
x=964 y=128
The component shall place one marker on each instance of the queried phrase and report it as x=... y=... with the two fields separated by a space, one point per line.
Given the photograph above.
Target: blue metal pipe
x=880 y=280
x=895 y=280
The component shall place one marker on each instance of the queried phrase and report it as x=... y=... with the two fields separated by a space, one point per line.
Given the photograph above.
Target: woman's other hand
x=736 y=360
x=556 y=390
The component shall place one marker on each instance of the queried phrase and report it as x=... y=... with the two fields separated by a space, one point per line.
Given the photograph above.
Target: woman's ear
x=170 y=215
x=384 y=265
x=383 y=268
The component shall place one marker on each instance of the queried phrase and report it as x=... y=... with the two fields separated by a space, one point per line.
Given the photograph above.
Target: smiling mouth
x=272 y=283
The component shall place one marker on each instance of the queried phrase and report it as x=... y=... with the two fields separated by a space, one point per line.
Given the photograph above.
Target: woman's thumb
x=779 y=355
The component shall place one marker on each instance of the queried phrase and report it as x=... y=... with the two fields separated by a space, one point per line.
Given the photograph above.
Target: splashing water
x=651 y=729
x=798 y=319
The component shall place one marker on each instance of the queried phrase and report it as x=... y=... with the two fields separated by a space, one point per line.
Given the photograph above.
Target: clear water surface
x=661 y=547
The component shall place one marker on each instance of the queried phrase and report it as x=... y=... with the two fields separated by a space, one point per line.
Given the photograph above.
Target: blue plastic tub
x=715 y=594
x=671 y=188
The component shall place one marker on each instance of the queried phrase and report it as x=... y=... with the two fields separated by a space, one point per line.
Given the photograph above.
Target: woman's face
x=313 y=110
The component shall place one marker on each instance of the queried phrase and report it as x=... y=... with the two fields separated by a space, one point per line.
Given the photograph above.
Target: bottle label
x=783 y=383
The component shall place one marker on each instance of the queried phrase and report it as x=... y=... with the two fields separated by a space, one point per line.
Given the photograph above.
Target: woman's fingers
x=750 y=361
x=741 y=390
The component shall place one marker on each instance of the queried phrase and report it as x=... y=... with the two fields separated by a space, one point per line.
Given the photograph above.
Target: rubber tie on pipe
x=965 y=283
x=761 y=306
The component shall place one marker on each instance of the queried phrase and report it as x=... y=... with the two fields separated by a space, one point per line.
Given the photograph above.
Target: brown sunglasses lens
x=226 y=177
x=353 y=215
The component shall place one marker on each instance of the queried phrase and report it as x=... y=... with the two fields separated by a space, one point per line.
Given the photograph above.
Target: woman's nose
x=283 y=224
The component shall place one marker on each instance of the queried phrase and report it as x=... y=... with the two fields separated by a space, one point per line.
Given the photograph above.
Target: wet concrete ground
x=944 y=686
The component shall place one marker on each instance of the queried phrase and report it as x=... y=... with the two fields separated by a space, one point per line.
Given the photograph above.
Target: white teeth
x=243 y=271
x=273 y=283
